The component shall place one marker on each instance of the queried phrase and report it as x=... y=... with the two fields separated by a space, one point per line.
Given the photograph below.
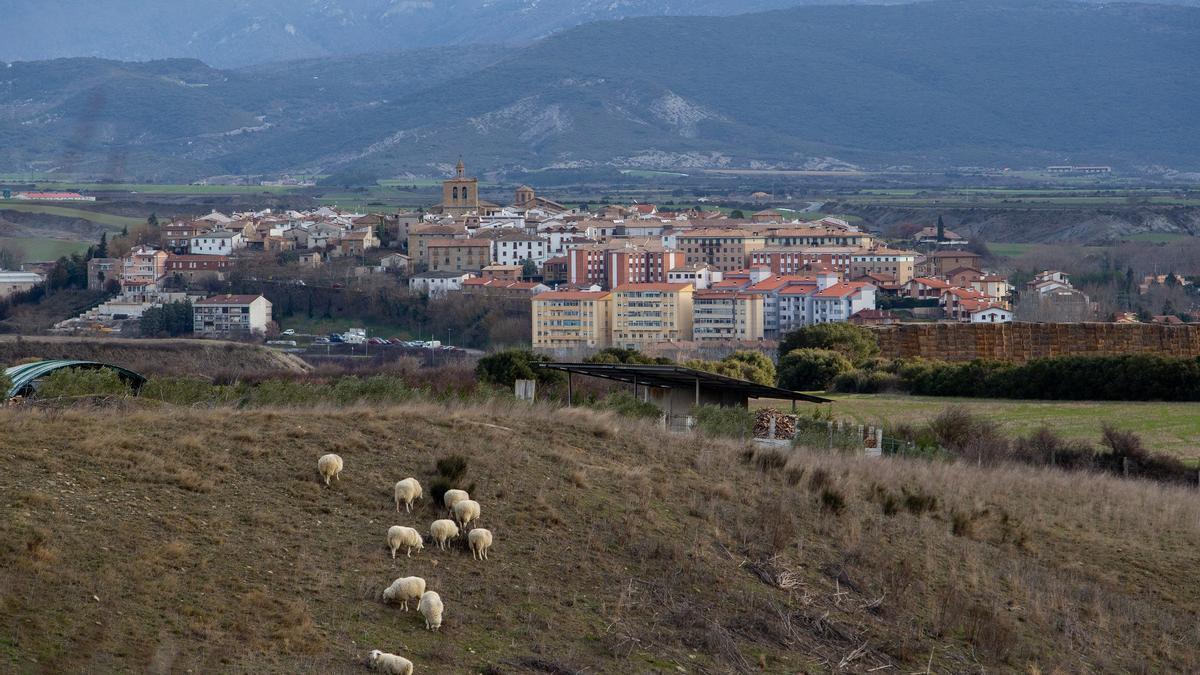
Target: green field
x=35 y=249
x=113 y=222
x=1166 y=427
x=1009 y=250
x=168 y=188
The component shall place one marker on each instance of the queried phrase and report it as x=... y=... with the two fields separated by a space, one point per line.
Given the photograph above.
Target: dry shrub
x=818 y=479
x=769 y=461
x=794 y=475
x=278 y=623
x=579 y=478
x=38 y=549
x=917 y=501
x=888 y=502
x=832 y=500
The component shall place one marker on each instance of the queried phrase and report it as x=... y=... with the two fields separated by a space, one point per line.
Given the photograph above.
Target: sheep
x=406 y=491
x=466 y=511
x=390 y=663
x=404 y=589
x=480 y=541
x=431 y=608
x=398 y=535
x=453 y=497
x=329 y=466
x=442 y=531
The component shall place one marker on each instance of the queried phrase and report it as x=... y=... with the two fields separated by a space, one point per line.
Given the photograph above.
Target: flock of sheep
x=464 y=512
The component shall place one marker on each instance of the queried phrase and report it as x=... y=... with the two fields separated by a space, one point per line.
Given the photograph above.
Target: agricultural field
x=35 y=249
x=111 y=221
x=1172 y=428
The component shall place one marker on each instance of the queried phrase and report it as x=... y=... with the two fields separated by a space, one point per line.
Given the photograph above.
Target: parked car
x=377 y=341
x=321 y=341
x=335 y=338
x=290 y=331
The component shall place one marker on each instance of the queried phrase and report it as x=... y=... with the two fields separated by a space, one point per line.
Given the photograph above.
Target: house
x=840 y=301
x=356 y=242
x=277 y=244
x=459 y=255
x=142 y=269
x=963 y=276
x=929 y=235
x=219 y=242
x=503 y=288
x=572 y=319
x=438 y=283
x=100 y=270
x=767 y=216
x=514 y=247
x=989 y=313
x=556 y=268
x=721 y=315
x=419 y=237
x=177 y=236
x=925 y=288
x=938 y=263
x=502 y=272
x=957 y=302
x=198 y=267
x=231 y=315
x=873 y=317
x=394 y=262
x=645 y=314
x=15 y=282
x=311 y=260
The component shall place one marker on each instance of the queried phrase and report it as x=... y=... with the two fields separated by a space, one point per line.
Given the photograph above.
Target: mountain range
x=935 y=84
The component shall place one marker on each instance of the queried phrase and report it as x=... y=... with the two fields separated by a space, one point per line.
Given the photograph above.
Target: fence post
x=1125 y=466
x=830 y=435
x=771 y=429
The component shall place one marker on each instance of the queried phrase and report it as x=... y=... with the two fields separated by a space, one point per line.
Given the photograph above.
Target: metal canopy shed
x=680 y=387
x=24 y=375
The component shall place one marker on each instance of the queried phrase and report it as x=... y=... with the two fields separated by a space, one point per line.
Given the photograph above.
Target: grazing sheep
x=390 y=663
x=329 y=466
x=406 y=491
x=453 y=497
x=442 y=531
x=431 y=608
x=404 y=589
x=480 y=541
x=466 y=511
x=398 y=536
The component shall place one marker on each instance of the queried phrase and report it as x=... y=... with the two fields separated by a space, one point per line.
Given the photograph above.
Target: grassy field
x=1166 y=427
x=174 y=357
x=112 y=221
x=37 y=249
x=173 y=539
x=170 y=188
x=1010 y=250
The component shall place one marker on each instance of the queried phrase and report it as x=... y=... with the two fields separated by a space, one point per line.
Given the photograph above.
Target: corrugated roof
x=24 y=375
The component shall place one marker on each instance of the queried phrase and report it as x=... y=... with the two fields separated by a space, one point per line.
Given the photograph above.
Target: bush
x=452 y=467
x=811 y=369
x=724 y=422
x=627 y=405
x=861 y=381
x=752 y=366
x=629 y=356
x=506 y=367
x=856 y=343
x=5 y=384
x=77 y=382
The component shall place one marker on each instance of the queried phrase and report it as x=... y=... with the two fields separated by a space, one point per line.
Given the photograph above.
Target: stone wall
x=1021 y=342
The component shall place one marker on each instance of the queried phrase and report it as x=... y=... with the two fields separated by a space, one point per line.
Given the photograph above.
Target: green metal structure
x=24 y=375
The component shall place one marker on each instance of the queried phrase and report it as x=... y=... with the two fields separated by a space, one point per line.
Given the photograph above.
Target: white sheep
x=329 y=466
x=431 y=608
x=398 y=536
x=406 y=491
x=390 y=663
x=453 y=497
x=466 y=511
x=404 y=589
x=480 y=541
x=442 y=531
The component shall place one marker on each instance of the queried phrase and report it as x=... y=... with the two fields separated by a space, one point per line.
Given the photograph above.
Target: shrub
x=832 y=500
x=631 y=356
x=862 y=381
x=744 y=365
x=856 y=343
x=811 y=369
x=5 y=384
x=627 y=405
x=506 y=367
x=452 y=467
x=76 y=382
x=724 y=422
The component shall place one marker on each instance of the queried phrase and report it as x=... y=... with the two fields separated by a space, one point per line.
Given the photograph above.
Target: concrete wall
x=1021 y=342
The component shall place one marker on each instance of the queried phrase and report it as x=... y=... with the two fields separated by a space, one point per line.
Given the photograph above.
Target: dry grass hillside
x=154 y=357
x=159 y=540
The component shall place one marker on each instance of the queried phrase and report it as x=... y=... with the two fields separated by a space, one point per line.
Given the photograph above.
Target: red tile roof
x=573 y=295
x=841 y=290
x=665 y=288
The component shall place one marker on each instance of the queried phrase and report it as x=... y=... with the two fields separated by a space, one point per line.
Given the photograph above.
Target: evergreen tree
x=941 y=229
x=102 y=247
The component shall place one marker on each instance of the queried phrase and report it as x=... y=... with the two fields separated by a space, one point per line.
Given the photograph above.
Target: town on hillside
x=630 y=276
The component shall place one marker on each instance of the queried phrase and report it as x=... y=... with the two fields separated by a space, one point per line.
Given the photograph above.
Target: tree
x=10 y=257
x=941 y=229
x=529 y=269
x=744 y=365
x=856 y=343
x=508 y=366
x=102 y=247
x=628 y=356
x=811 y=369
x=152 y=221
x=737 y=214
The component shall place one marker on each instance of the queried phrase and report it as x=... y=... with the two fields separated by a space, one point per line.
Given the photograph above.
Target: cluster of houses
x=632 y=275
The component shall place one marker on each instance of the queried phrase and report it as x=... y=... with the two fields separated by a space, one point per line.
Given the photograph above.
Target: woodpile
x=785 y=424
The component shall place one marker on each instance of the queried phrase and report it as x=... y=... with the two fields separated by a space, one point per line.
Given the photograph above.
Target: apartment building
x=719 y=315
x=221 y=242
x=816 y=236
x=197 y=267
x=572 y=319
x=513 y=248
x=142 y=269
x=789 y=261
x=645 y=314
x=224 y=315
x=726 y=250
x=899 y=266
x=840 y=301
